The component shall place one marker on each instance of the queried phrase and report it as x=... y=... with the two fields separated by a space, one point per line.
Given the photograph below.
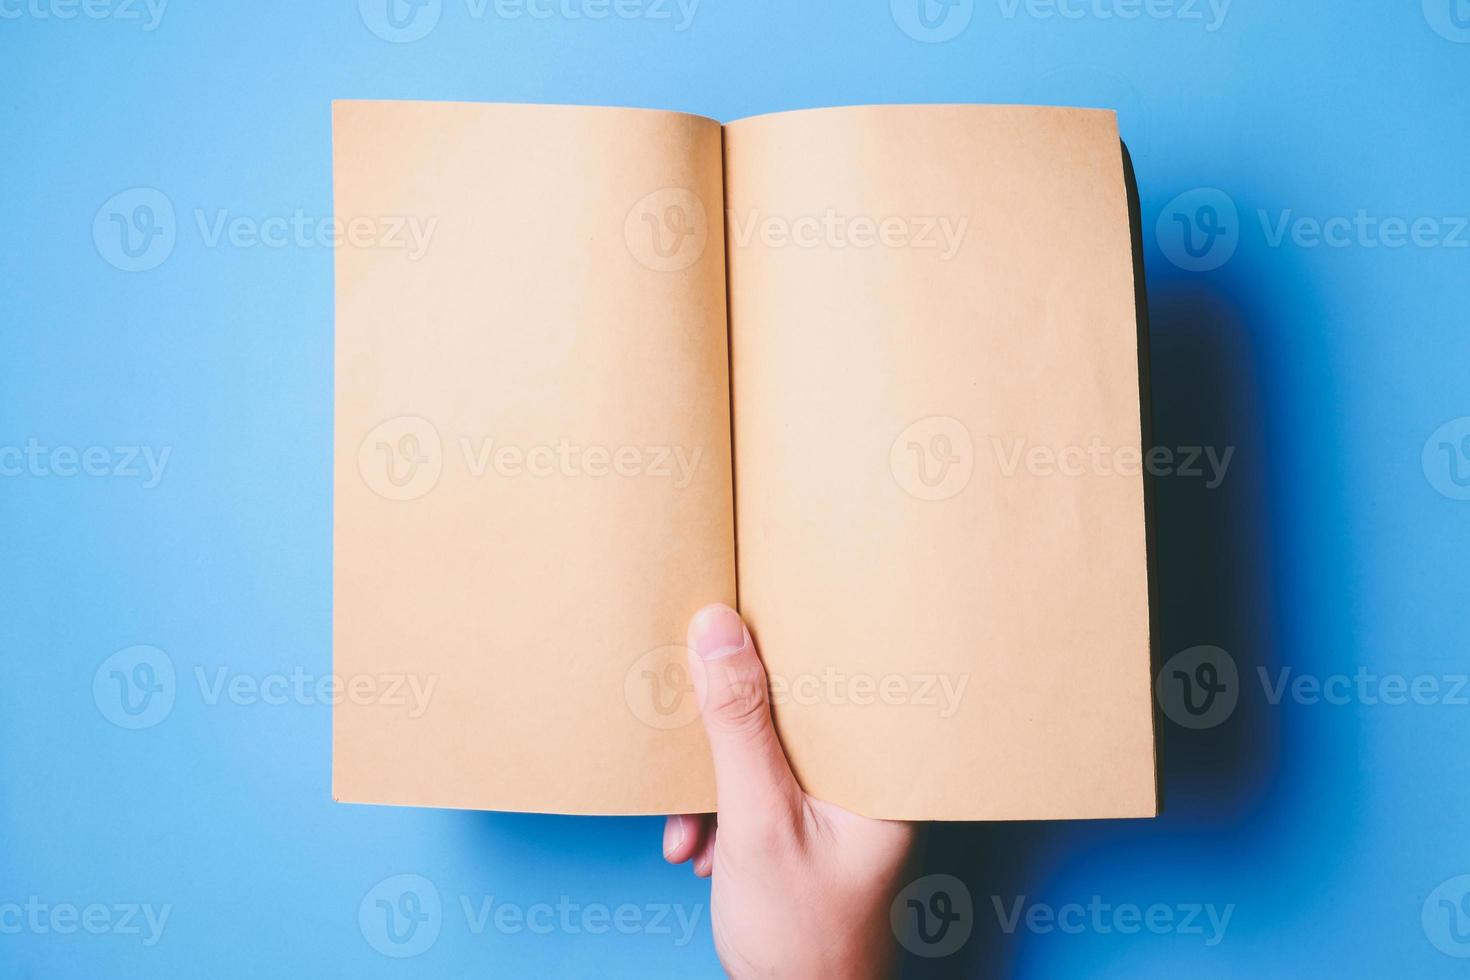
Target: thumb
x=753 y=781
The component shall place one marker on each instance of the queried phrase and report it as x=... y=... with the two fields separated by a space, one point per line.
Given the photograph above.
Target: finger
x=684 y=835
x=704 y=860
x=753 y=781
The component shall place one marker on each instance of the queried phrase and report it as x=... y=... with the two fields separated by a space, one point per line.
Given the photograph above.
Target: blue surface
x=1336 y=832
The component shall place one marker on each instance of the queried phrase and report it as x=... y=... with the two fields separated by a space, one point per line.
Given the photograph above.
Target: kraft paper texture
x=878 y=364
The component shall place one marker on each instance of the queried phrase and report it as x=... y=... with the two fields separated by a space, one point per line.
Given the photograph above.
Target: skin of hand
x=801 y=888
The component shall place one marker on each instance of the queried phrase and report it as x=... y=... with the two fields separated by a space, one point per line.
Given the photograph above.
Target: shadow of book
x=1214 y=566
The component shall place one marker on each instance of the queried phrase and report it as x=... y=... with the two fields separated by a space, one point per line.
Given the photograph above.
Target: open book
x=870 y=374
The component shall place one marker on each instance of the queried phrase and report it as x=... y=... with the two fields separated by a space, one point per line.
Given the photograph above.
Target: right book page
x=938 y=454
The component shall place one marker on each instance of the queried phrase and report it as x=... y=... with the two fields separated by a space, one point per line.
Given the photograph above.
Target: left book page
x=532 y=454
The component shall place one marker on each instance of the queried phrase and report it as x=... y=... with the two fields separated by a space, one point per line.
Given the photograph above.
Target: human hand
x=801 y=888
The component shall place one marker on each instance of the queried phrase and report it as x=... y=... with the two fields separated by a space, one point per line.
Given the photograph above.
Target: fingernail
x=717 y=632
x=675 y=831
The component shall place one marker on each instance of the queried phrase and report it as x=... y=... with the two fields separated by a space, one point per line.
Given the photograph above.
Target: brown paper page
x=937 y=457
x=532 y=489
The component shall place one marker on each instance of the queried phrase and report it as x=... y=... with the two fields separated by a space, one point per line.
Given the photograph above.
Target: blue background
x=1329 y=547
